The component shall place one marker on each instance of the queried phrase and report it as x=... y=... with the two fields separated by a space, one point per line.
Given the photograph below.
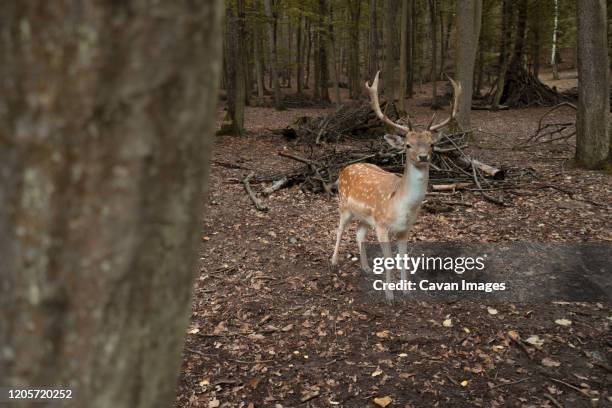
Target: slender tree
x=321 y=62
x=272 y=17
x=299 y=74
x=433 y=21
x=236 y=67
x=411 y=32
x=554 y=58
x=592 y=125
x=355 y=85
x=99 y=231
x=390 y=40
x=504 y=49
x=469 y=14
x=373 y=43
x=404 y=52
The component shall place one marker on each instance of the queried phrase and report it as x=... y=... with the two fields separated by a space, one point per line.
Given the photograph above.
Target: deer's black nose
x=423 y=157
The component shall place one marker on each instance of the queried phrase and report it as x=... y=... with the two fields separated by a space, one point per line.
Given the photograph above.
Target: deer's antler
x=457 y=92
x=373 y=91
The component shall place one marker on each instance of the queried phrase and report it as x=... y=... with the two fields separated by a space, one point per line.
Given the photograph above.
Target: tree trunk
x=411 y=31
x=434 y=52
x=334 y=56
x=308 y=54
x=321 y=61
x=389 y=84
x=271 y=16
x=592 y=139
x=504 y=48
x=468 y=31
x=374 y=46
x=553 y=53
x=537 y=38
x=519 y=44
x=236 y=81
x=355 y=85
x=258 y=57
x=298 y=57
x=404 y=52
x=104 y=150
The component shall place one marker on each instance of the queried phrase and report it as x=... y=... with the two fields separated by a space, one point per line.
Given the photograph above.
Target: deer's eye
x=408 y=146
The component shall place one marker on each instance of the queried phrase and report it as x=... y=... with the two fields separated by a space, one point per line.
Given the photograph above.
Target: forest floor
x=274 y=326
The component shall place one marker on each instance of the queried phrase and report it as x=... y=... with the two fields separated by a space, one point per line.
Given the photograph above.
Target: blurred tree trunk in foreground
x=592 y=119
x=106 y=114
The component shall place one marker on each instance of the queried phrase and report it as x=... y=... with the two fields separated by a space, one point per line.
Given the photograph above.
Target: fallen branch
x=247 y=186
x=277 y=185
x=449 y=187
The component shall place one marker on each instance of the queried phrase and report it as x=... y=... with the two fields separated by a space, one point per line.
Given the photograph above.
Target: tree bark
x=389 y=84
x=236 y=67
x=298 y=57
x=355 y=85
x=271 y=16
x=404 y=52
x=434 y=51
x=504 y=48
x=468 y=31
x=374 y=46
x=106 y=121
x=411 y=47
x=258 y=57
x=537 y=38
x=308 y=54
x=592 y=139
x=553 y=53
x=321 y=59
x=334 y=57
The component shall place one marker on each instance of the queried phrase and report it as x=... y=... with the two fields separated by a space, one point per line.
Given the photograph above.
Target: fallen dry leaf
x=563 y=322
x=383 y=401
x=383 y=334
x=549 y=362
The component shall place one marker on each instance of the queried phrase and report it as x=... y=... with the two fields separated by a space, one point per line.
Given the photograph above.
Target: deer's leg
x=402 y=249
x=383 y=238
x=345 y=218
x=362 y=231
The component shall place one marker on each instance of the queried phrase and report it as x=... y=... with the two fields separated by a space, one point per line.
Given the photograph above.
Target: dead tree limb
x=247 y=186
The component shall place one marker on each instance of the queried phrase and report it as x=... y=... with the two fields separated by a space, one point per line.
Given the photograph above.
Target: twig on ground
x=553 y=400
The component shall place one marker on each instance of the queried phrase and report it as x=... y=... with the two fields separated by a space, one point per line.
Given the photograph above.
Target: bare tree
x=106 y=139
x=592 y=126
x=469 y=14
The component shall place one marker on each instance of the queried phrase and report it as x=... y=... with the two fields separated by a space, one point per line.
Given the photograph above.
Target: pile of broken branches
x=452 y=170
x=356 y=120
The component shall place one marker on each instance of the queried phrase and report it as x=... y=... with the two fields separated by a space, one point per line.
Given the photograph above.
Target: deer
x=384 y=201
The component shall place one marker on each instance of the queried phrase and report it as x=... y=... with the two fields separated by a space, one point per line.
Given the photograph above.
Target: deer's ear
x=395 y=141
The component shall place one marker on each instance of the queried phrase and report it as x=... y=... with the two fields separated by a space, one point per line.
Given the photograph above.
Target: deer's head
x=418 y=144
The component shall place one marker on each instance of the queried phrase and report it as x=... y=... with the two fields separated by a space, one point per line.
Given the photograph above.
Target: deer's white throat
x=412 y=188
